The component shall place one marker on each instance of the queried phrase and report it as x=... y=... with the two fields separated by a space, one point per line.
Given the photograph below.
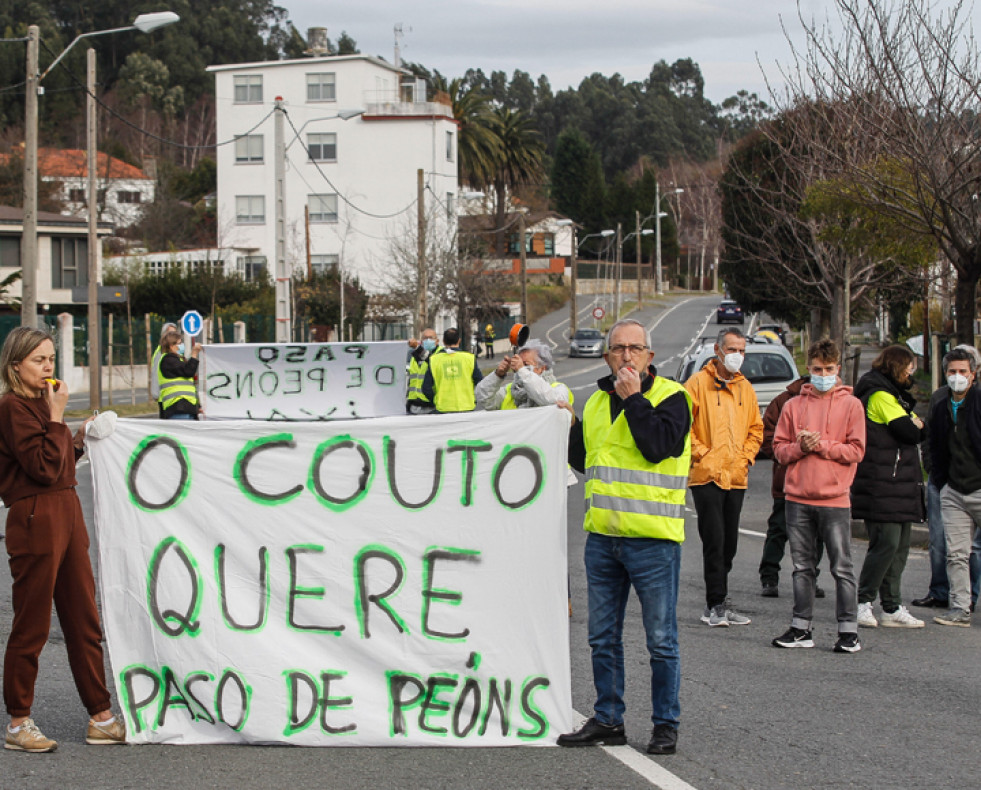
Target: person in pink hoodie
x=820 y=438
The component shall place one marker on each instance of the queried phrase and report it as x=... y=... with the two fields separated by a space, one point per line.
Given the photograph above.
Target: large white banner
x=390 y=582
x=302 y=381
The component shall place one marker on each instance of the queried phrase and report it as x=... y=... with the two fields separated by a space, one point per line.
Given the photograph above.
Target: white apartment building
x=356 y=131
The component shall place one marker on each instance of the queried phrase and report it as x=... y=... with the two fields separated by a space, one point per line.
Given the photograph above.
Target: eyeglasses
x=619 y=351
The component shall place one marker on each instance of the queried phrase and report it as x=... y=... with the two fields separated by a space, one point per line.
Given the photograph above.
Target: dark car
x=729 y=311
x=586 y=343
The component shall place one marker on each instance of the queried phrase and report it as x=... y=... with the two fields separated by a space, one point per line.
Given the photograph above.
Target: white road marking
x=654 y=773
x=752 y=532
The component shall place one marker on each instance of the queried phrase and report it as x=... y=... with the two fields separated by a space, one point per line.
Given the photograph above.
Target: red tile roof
x=72 y=163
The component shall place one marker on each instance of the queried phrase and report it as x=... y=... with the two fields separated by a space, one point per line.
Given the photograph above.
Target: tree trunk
x=500 y=190
x=964 y=303
x=839 y=321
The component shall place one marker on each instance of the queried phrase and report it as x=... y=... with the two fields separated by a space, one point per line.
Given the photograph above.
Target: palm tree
x=520 y=161
x=478 y=145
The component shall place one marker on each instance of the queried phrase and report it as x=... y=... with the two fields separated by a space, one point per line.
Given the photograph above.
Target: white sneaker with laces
x=865 y=617
x=901 y=618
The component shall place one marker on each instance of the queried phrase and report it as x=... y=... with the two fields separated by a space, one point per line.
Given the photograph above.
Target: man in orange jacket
x=726 y=432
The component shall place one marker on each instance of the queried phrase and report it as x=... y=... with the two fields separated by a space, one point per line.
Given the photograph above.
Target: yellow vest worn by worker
x=453 y=381
x=627 y=495
x=508 y=402
x=417 y=372
x=172 y=390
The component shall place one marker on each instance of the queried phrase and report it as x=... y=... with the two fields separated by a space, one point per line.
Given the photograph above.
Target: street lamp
x=145 y=23
x=284 y=313
x=574 y=280
x=657 y=204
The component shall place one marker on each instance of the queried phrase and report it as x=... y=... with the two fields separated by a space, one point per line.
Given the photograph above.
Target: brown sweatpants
x=48 y=547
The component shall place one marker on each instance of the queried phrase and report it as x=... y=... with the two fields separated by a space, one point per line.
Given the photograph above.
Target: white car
x=769 y=367
x=586 y=343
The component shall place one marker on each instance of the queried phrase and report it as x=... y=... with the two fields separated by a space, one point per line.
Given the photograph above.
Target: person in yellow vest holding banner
x=178 y=397
x=153 y=383
x=534 y=382
x=415 y=401
x=634 y=446
x=451 y=377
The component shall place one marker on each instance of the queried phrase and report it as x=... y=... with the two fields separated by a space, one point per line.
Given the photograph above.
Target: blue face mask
x=824 y=383
x=180 y=349
x=429 y=344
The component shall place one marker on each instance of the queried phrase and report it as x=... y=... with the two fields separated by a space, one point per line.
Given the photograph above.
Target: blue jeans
x=805 y=523
x=939 y=587
x=653 y=567
x=182 y=417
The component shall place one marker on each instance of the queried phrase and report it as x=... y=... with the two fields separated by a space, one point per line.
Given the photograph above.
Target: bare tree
x=902 y=78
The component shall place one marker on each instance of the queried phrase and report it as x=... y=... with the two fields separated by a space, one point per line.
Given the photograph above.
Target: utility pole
x=94 y=311
x=423 y=283
x=306 y=230
x=28 y=242
x=283 y=318
x=524 y=269
x=575 y=282
x=618 y=273
x=640 y=291
x=657 y=239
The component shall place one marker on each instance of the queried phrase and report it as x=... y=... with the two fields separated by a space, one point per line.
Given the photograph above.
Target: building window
x=10 y=251
x=548 y=240
x=322 y=147
x=248 y=148
x=321 y=87
x=321 y=264
x=248 y=89
x=129 y=197
x=323 y=208
x=69 y=261
x=76 y=195
x=253 y=267
x=450 y=205
x=449 y=146
x=514 y=243
x=250 y=209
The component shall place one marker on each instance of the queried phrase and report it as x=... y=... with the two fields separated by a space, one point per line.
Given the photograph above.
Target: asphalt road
x=902 y=713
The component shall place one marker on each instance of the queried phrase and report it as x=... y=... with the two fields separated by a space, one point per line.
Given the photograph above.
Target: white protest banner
x=400 y=583
x=302 y=381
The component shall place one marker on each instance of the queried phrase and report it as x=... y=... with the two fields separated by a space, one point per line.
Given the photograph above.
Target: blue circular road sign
x=192 y=323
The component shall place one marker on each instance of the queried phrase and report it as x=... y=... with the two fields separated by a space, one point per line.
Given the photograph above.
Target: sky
x=567 y=40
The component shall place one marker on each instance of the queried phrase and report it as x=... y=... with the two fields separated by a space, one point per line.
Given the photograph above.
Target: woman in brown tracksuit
x=47 y=543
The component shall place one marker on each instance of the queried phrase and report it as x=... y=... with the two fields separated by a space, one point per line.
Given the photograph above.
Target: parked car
x=777 y=329
x=729 y=311
x=586 y=343
x=768 y=366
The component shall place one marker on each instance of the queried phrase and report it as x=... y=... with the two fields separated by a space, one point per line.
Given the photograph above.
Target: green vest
x=627 y=495
x=453 y=381
x=417 y=372
x=172 y=390
x=508 y=402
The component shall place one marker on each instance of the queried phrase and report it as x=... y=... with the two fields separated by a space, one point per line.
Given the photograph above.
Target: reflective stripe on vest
x=508 y=402
x=627 y=495
x=172 y=390
x=417 y=372
x=453 y=381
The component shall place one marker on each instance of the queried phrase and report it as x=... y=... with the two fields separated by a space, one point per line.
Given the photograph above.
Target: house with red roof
x=123 y=189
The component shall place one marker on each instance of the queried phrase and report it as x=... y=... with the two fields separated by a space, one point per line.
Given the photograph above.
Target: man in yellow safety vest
x=634 y=446
x=451 y=377
x=415 y=401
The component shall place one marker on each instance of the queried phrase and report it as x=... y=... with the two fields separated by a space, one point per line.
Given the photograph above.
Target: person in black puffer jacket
x=888 y=488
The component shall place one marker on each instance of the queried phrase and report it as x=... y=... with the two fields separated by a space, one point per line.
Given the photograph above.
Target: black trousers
x=718 y=526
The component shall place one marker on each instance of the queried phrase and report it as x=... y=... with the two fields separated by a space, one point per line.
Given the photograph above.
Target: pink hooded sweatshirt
x=822 y=477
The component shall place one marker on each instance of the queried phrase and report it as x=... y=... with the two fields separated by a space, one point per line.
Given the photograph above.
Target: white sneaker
x=865 y=617
x=901 y=618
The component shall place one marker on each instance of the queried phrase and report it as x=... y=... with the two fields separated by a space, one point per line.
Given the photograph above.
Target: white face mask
x=957 y=382
x=733 y=361
x=824 y=383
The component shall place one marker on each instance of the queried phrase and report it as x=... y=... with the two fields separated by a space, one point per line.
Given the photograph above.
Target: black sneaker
x=664 y=740
x=848 y=643
x=795 y=637
x=819 y=592
x=592 y=733
x=770 y=590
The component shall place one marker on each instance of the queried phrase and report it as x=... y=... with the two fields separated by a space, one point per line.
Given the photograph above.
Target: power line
x=330 y=183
